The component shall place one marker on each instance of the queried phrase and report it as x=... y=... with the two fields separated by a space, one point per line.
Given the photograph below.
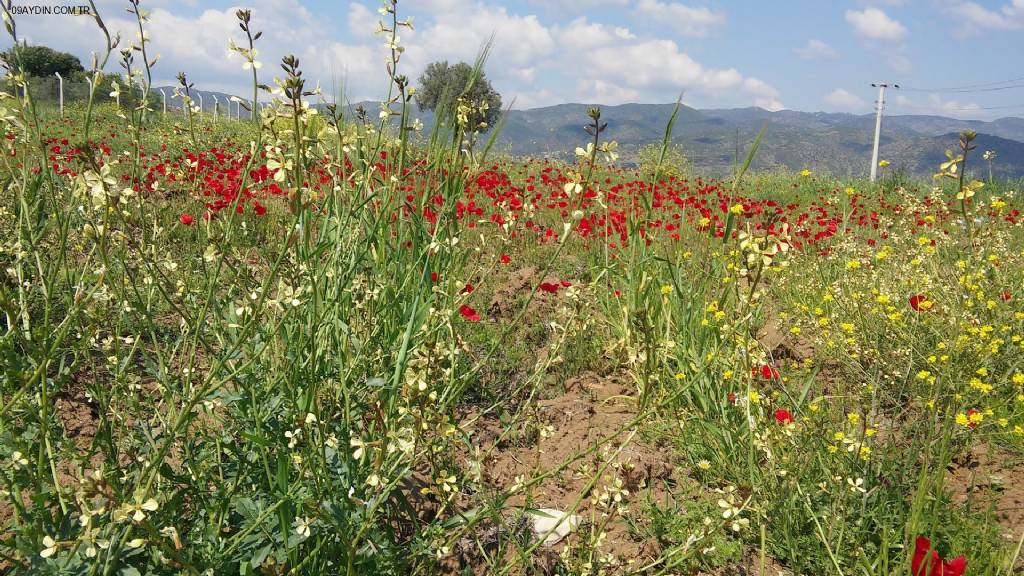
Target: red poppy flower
x=468 y=289
x=433 y=277
x=549 y=287
x=920 y=302
x=783 y=417
x=186 y=219
x=971 y=412
x=765 y=371
x=505 y=258
x=731 y=397
x=468 y=313
x=927 y=562
x=1005 y=296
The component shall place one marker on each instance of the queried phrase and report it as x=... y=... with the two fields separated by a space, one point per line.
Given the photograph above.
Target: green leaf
x=750 y=157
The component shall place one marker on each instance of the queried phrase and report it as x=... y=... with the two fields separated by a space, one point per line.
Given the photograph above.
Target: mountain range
x=834 y=143
x=839 y=144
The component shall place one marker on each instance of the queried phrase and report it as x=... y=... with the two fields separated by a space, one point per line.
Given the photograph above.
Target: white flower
x=148 y=506
x=856 y=485
x=293 y=437
x=302 y=526
x=51 y=547
x=18 y=459
x=359 y=446
x=136 y=511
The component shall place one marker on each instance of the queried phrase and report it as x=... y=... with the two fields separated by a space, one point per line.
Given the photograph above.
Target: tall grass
x=299 y=393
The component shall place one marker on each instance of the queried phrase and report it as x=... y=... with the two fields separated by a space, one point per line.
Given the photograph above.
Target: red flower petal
x=927 y=562
x=921 y=548
x=919 y=302
x=468 y=313
x=954 y=567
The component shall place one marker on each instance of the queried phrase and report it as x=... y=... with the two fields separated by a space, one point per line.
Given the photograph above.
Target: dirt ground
x=982 y=478
x=592 y=409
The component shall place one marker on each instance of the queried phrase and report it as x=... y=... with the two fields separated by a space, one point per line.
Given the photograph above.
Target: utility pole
x=879 y=105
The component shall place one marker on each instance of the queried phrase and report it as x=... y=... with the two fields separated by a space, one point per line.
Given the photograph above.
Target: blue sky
x=794 y=54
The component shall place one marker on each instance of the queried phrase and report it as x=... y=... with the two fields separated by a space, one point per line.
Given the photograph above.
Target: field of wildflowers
x=314 y=344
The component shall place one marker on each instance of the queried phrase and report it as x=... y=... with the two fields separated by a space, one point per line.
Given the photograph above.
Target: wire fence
x=76 y=92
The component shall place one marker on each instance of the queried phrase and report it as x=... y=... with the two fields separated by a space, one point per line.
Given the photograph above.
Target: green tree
x=441 y=85
x=43 y=61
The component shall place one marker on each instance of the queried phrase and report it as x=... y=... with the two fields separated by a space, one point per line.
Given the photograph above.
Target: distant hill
x=839 y=144
x=836 y=143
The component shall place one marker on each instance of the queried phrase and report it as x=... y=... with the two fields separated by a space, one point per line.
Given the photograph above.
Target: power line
x=982 y=87
x=966 y=91
x=940 y=108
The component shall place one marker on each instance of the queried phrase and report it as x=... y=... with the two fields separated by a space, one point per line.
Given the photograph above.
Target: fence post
x=216 y=107
x=60 y=92
x=164 y=96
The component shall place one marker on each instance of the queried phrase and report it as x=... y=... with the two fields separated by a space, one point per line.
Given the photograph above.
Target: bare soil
x=592 y=410
x=985 y=478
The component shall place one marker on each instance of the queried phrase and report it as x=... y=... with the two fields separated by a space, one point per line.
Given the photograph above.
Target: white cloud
x=595 y=90
x=362 y=22
x=686 y=20
x=765 y=95
x=841 y=99
x=973 y=17
x=576 y=4
x=443 y=5
x=874 y=24
x=817 y=50
x=898 y=62
x=659 y=66
x=534 y=62
x=198 y=45
x=769 y=104
x=582 y=35
x=523 y=100
x=517 y=40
